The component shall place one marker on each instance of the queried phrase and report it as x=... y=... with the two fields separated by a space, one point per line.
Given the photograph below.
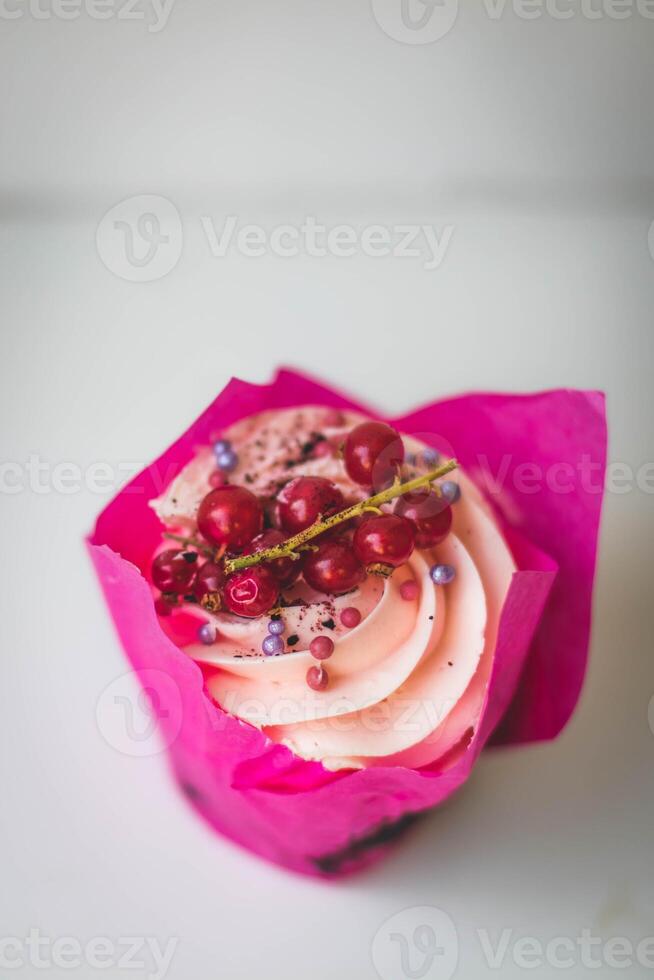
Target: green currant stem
x=289 y=548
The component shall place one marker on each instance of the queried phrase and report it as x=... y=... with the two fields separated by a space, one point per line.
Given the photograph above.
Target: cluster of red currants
x=231 y=519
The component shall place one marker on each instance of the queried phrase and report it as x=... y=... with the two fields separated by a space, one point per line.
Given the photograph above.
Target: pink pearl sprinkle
x=317 y=678
x=332 y=418
x=321 y=647
x=409 y=590
x=350 y=617
x=217 y=479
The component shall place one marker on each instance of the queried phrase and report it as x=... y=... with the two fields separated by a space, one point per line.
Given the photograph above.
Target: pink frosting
x=409 y=681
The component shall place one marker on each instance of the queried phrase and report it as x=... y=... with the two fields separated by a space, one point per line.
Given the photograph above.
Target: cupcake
x=333 y=614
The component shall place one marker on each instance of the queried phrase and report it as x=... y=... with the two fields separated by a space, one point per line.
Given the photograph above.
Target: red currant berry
x=421 y=504
x=387 y=539
x=209 y=579
x=251 y=592
x=230 y=515
x=431 y=514
x=333 y=567
x=373 y=451
x=174 y=570
x=285 y=570
x=305 y=499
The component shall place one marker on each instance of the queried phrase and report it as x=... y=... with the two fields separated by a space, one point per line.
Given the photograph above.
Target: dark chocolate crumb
x=329 y=624
x=308 y=447
x=450 y=664
x=287 y=603
x=190 y=556
x=190 y=598
x=292 y=640
x=431 y=617
x=248 y=478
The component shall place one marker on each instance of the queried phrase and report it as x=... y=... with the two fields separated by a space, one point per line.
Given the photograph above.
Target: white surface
x=535 y=141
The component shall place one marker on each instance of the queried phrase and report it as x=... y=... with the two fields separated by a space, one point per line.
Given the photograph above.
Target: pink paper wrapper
x=540 y=459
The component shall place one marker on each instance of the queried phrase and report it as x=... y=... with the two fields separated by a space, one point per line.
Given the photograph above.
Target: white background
x=534 y=139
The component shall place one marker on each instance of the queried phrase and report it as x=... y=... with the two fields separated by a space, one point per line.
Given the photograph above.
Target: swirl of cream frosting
x=408 y=684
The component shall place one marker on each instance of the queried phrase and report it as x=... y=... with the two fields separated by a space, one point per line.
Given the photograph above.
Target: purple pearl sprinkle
x=430 y=457
x=272 y=645
x=276 y=627
x=227 y=460
x=207 y=634
x=451 y=491
x=221 y=446
x=442 y=574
